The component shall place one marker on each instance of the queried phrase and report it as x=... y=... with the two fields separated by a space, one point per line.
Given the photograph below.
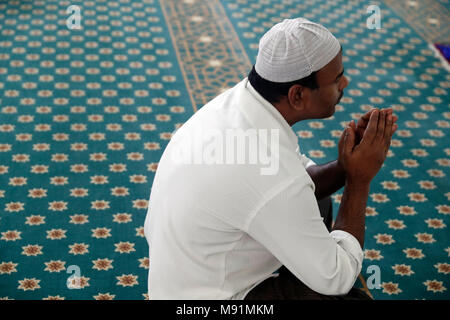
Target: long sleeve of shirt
x=289 y=225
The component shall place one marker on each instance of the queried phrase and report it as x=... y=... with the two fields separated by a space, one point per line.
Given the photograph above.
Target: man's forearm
x=328 y=178
x=352 y=211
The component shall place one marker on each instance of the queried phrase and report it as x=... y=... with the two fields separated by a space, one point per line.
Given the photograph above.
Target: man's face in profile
x=331 y=82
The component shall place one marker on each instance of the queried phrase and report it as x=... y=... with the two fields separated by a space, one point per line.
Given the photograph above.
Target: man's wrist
x=355 y=184
x=339 y=165
x=340 y=169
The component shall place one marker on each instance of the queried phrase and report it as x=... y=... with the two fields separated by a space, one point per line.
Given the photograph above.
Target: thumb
x=349 y=139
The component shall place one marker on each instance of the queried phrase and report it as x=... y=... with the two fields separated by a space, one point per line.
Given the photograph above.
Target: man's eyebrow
x=340 y=74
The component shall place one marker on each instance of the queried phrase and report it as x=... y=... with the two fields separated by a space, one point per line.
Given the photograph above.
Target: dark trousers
x=288 y=287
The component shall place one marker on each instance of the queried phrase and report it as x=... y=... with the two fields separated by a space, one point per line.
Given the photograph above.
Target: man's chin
x=333 y=110
x=330 y=114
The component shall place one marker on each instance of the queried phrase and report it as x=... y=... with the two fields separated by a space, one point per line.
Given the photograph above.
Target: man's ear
x=296 y=96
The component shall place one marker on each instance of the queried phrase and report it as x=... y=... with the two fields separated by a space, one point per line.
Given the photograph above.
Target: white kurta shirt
x=216 y=230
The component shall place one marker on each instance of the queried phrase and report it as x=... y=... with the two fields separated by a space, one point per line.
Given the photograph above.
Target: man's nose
x=344 y=83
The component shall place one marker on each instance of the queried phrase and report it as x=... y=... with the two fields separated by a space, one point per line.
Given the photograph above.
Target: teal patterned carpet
x=86 y=114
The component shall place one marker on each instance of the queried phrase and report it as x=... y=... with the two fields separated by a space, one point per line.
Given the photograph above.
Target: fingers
x=394 y=119
x=388 y=131
x=394 y=125
x=341 y=140
x=365 y=118
x=349 y=140
x=358 y=131
x=394 y=128
x=362 y=122
x=381 y=126
x=371 y=130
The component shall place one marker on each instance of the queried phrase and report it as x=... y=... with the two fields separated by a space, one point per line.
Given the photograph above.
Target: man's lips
x=340 y=97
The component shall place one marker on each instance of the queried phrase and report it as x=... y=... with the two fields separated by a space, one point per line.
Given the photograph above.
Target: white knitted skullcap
x=293 y=49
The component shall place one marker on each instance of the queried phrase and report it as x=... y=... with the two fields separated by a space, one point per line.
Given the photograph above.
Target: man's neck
x=283 y=109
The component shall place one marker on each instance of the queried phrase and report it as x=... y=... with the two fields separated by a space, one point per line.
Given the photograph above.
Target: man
x=220 y=229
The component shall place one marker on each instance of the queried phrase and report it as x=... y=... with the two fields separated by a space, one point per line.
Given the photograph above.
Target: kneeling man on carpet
x=236 y=211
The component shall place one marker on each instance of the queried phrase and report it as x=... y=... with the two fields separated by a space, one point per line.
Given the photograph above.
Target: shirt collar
x=284 y=125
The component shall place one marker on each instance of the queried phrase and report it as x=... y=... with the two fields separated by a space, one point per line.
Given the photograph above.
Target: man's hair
x=274 y=91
